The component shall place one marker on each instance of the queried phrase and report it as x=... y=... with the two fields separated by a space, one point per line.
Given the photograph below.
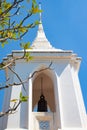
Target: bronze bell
x=42 y=104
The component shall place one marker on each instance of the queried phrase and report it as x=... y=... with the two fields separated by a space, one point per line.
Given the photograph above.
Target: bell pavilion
x=55 y=98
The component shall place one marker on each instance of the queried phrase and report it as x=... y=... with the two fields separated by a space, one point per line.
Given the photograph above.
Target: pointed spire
x=41 y=41
x=40 y=14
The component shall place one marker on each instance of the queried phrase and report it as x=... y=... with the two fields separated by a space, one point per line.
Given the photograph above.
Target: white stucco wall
x=68 y=97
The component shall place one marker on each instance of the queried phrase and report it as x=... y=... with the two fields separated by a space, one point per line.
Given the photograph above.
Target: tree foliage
x=13 y=25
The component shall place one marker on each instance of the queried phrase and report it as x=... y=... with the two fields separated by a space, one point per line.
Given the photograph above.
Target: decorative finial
x=40 y=12
x=41 y=41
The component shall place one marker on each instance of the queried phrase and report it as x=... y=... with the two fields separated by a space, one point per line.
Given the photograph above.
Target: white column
x=30 y=105
x=79 y=97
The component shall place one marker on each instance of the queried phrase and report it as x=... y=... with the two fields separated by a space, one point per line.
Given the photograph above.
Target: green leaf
x=19 y=34
x=25 y=45
x=0 y=11
x=35 y=10
x=2 y=44
x=37 y=22
x=23 y=98
x=28 y=57
x=20 y=95
x=9 y=34
x=1 y=65
x=14 y=35
x=7 y=5
x=34 y=2
x=22 y=29
x=14 y=100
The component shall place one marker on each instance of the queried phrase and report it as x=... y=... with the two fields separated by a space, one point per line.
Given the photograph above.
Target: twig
x=13 y=109
x=10 y=110
x=11 y=7
x=35 y=72
x=17 y=77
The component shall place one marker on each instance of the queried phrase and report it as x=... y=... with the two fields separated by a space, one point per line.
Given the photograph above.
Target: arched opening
x=48 y=91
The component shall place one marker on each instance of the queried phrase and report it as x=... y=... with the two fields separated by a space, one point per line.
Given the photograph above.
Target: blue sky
x=65 y=25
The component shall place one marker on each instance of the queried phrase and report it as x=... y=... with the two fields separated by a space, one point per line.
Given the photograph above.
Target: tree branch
x=10 y=110
x=35 y=72
x=11 y=7
x=17 y=77
x=13 y=109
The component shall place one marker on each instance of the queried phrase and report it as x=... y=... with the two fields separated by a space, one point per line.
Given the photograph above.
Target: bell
x=42 y=104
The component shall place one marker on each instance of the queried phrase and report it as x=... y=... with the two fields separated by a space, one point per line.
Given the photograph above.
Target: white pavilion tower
x=58 y=86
